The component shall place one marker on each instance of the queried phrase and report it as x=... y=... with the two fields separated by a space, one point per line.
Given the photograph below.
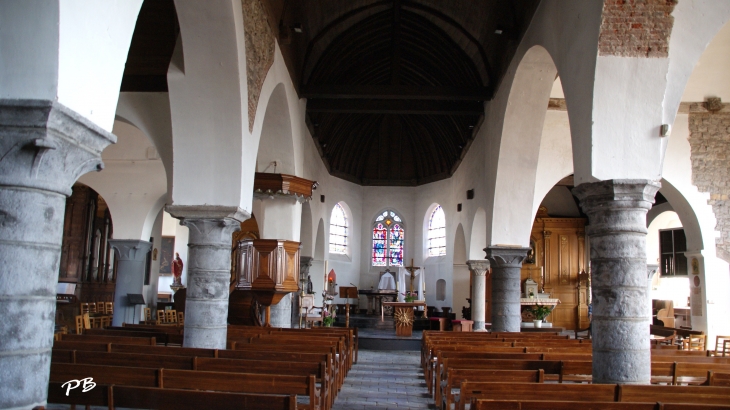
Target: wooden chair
x=147 y=315
x=105 y=321
x=307 y=311
x=79 y=324
x=722 y=346
x=85 y=308
x=181 y=318
x=109 y=308
x=695 y=342
x=171 y=316
x=160 y=317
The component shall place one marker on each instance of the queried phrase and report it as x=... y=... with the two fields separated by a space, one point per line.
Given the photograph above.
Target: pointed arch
x=319 y=242
x=478 y=235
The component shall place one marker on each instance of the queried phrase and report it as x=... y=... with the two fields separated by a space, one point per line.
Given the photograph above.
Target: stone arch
x=134 y=190
x=460 y=278
x=478 y=235
x=276 y=144
x=209 y=65
x=687 y=215
x=319 y=243
x=520 y=148
x=305 y=233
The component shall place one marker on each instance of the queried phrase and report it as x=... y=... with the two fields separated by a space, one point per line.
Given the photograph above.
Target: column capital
x=619 y=193
x=46 y=145
x=478 y=267
x=215 y=212
x=130 y=249
x=617 y=205
x=501 y=256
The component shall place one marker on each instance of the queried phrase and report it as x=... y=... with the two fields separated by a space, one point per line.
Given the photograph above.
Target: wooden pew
x=442 y=355
x=579 y=405
x=122 y=359
x=174 y=399
x=193 y=380
x=495 y=364
x=547 y=392
x=161 y=337
x=718 y=379
x=127 y=340
x=674 y=394
x=457 y=376
x=319 y=370
x=167 y=399
x=696 y=373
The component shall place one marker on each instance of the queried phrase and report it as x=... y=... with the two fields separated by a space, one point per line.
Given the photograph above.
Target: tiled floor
x=385 y=380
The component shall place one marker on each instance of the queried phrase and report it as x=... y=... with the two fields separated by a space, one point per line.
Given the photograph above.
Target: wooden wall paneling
x=561 y=247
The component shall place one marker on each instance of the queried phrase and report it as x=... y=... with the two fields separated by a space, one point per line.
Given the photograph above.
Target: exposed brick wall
x=710 y=143
x=259 y=52
x=636 y=28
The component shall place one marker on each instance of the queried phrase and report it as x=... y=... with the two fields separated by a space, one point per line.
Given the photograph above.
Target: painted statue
x=177 y=268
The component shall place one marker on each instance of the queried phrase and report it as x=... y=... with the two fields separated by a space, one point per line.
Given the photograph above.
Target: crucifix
x=412 y=269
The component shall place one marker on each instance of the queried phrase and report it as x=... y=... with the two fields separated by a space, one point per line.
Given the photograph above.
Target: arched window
x=338 y=230
x=388 y=240
x=437 y=232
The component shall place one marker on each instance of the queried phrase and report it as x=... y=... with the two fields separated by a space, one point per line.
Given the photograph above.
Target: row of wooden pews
x=282 y=365
x=461 y=368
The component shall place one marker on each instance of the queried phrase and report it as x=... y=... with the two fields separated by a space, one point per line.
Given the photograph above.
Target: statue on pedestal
x=177 y=269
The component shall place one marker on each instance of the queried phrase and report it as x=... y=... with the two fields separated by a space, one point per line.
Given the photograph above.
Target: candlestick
x=324 y=284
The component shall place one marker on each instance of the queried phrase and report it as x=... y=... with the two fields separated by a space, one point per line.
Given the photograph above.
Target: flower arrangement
x=329 y=318
x=541 y=311
x=410 y=296
x=327 y=297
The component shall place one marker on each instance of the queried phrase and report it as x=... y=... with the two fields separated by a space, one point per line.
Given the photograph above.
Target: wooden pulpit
x=348 y=292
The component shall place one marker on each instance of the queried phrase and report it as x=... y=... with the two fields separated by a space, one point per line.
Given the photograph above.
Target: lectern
x=348 y=292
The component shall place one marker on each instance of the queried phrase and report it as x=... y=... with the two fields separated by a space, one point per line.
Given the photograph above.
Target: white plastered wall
x=70 y=51
x=134 y=187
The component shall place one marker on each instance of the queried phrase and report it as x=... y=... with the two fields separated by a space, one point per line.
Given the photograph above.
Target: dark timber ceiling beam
x=396 y=92
x=417 y=107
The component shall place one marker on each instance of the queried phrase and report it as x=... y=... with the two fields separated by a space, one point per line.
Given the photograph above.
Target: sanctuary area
x=216 y=204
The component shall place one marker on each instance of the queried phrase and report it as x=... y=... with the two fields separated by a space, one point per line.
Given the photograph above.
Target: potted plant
x=410 y=296
x=540 y=312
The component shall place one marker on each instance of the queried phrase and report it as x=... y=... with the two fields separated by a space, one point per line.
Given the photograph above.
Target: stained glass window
x=437 y=232
x=396 y=245
x=388 y=240
x=379 y=245
x=338 y=230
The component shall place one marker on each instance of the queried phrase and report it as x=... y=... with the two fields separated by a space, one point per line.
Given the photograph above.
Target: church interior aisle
x=384 y=380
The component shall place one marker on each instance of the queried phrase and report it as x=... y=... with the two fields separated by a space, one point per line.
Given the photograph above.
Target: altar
x=526 y=305
x=403 y=315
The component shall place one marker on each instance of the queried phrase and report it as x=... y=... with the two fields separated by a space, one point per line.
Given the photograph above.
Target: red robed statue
x=177 y=268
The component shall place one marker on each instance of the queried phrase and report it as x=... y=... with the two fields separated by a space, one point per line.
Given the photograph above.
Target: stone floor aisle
x=385 y=380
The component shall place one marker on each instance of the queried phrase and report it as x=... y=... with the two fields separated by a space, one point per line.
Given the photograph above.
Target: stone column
x=506 y=264
x=131 y=256
x=478 y=269
x=616 y=211
x=209 y=271
x=44 y=148
x=281 y=312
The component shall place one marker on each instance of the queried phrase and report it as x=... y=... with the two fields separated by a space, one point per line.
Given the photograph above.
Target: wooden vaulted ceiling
x=396 y=88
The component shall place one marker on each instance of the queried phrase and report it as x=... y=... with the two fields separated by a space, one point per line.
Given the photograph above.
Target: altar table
x=403 y=316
